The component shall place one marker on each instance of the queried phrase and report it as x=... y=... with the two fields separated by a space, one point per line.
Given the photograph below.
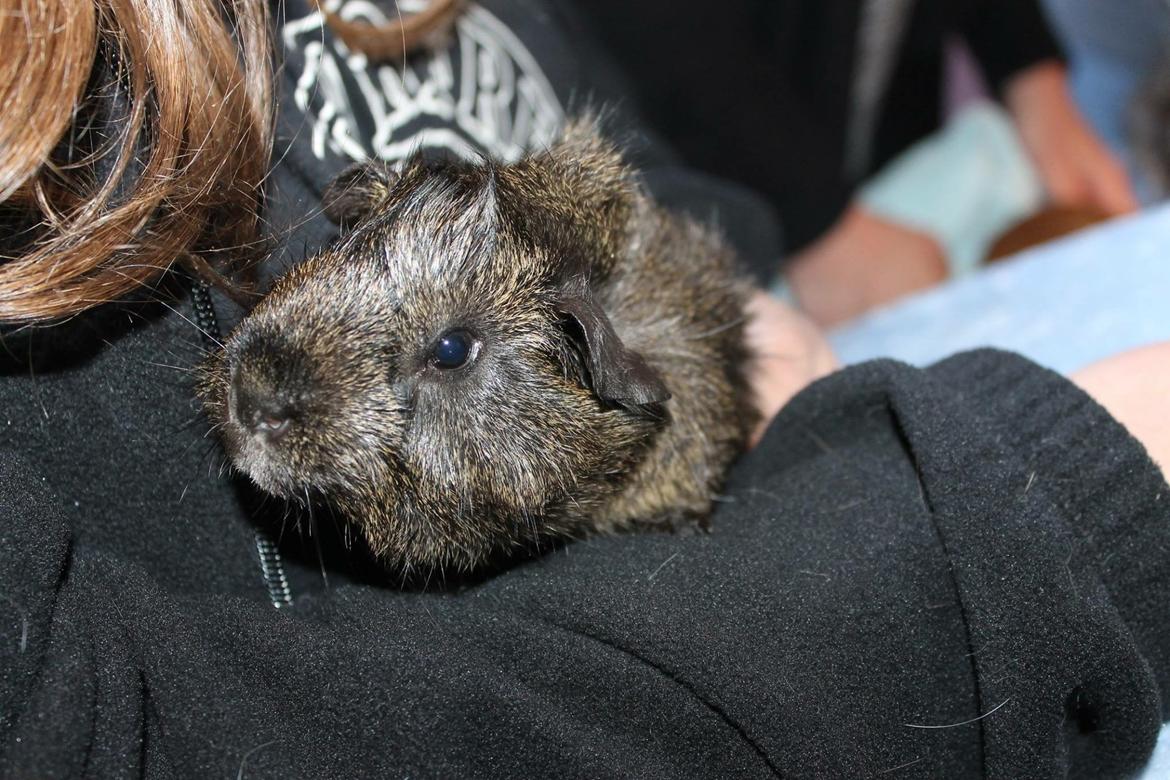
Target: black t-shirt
x=958 y=571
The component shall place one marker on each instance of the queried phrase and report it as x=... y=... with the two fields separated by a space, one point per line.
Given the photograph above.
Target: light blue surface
x=1065 y=305
x=1129 y=32
x=1159 y=766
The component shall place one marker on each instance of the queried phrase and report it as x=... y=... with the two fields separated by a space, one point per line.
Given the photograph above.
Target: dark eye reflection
x=453 y=349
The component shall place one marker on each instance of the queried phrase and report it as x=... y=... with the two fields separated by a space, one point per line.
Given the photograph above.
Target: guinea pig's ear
x=357 y=191
x=618 y=375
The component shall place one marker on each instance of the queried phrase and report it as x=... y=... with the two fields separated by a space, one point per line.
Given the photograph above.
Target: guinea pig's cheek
x=352 y=445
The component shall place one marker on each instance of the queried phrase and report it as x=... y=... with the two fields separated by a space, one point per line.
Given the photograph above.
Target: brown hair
x=136 y=133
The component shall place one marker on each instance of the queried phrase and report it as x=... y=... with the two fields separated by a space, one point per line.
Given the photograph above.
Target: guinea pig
x=494 y=356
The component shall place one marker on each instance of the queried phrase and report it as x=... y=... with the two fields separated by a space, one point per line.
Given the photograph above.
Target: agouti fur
x=604 y=386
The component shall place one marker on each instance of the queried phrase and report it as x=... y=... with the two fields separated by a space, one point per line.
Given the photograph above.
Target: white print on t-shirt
x=482 y=93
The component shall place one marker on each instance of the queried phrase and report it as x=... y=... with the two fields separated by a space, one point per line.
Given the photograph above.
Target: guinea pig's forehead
x=393 y=270
x=416 y=256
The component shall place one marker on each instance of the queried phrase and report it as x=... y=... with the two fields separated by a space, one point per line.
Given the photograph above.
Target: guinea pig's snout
x=260 y=410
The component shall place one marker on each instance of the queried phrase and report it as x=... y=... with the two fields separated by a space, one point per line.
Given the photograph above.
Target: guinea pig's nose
x=261 y=413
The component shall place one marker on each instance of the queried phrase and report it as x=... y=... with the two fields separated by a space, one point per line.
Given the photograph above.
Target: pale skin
x=1135 y=387
x=790 y=353
x=864 y=261
x=793 y=352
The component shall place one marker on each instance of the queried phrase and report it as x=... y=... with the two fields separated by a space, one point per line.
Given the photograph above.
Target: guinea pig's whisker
x=340 y=526
x=214 y=428
x=317 y=539
x=193 y=442
x=295 y=511
x=208 y=455
x=308 y=505
x=715 y=331
x=406 y=575
x=189 y=321
x=192 y=420
x=184 y=369
x=288 y=514
x=430 y=573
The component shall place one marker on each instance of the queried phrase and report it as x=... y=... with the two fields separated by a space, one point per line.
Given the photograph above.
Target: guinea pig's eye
x=453 y=349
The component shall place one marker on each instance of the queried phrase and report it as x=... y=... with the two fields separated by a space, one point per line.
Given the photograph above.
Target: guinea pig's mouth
x=260 y=452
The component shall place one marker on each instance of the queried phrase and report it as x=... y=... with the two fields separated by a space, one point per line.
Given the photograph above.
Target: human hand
x=790 y=352
x=1075 y=165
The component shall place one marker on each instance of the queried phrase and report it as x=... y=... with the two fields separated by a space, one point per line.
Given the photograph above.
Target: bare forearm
x=1075 y=165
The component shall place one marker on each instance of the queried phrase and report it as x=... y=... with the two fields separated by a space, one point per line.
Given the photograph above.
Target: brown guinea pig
x=494 y=356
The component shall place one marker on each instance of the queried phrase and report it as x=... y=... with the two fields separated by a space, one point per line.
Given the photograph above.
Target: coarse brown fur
x=607 y=386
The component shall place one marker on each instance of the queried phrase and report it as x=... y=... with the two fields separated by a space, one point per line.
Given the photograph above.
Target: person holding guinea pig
x=956 y=571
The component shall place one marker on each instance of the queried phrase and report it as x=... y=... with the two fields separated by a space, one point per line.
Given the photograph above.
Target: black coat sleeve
x=1007 y=37
x=46 y=715
x=1053 y=522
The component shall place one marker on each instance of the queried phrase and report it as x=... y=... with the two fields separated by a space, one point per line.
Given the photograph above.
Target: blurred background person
x=839 y=112
x=1119 y=60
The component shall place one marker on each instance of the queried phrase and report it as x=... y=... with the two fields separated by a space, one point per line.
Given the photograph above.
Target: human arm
x=1023 y=62
x=1077 y=168
x=864 y=262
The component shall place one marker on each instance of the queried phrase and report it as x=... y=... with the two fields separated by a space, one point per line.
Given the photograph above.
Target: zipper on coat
x=271 y=564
